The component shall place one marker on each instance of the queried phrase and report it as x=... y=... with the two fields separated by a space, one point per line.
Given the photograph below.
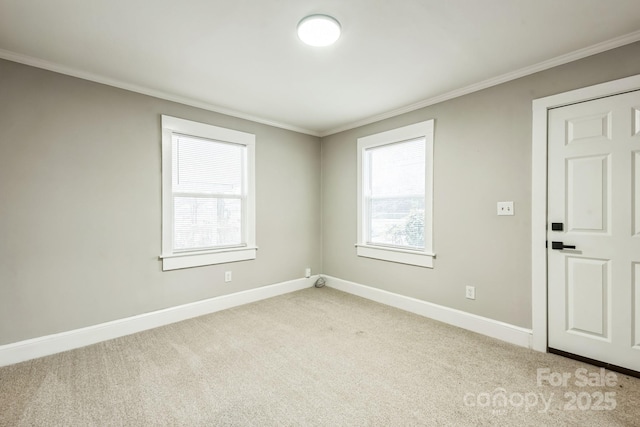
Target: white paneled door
x=594 y=229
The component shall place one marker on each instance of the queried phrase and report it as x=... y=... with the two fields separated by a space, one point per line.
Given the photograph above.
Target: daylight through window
x=394 y=194
x=208 y=194
x=395 y=173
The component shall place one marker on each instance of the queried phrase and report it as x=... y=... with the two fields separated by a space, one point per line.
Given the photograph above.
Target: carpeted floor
x=316 y=357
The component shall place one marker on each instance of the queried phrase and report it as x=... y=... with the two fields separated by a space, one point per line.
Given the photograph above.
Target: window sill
x=198 y=259
x=420 y=259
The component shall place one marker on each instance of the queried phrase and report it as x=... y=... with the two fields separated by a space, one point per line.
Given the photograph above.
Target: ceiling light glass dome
x=319 y=30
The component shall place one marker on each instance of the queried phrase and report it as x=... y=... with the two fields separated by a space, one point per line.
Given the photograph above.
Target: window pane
x=397 y=221
x=395 y=191
x=206 y=166
x=203 y=222
x=397 y=169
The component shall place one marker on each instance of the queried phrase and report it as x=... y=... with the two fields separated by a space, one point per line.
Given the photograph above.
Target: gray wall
x=80 y=201
x=482 y=153
x=80 y=206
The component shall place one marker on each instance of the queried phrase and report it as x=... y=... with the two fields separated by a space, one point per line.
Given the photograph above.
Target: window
x=208 y=201
x=395 y=195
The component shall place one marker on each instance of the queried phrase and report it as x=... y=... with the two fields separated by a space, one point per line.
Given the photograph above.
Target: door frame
x=539 y=173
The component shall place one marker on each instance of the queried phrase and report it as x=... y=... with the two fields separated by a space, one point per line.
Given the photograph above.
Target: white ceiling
x=242 y=57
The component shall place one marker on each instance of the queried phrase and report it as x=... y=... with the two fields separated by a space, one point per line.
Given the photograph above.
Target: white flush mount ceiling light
x=319 y=30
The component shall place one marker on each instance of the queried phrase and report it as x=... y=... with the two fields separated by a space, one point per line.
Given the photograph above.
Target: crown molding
x=494 y=81
x=74 y=72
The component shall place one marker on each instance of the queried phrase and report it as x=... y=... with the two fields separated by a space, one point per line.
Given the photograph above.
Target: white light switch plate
x=505 y=208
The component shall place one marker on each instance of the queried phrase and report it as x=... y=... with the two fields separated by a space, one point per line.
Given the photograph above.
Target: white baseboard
x=56 y=343
x=482 y=325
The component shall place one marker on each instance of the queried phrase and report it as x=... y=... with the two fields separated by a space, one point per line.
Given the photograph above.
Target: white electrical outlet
x=227 y=276
x=505 y=208
x=307 y=272
x=470 y=292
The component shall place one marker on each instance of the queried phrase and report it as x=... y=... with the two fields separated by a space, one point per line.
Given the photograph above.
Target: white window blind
x=395 y=194
x=209 y=193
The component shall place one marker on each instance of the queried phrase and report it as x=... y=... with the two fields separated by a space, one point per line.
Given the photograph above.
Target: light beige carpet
x=315 y=357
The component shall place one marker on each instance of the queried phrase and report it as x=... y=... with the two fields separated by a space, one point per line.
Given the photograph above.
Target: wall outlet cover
x=470 y=292
x=505 y=208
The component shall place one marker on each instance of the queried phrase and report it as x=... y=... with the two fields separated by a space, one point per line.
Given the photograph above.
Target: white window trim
x=421 y=258
x=180 y=259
